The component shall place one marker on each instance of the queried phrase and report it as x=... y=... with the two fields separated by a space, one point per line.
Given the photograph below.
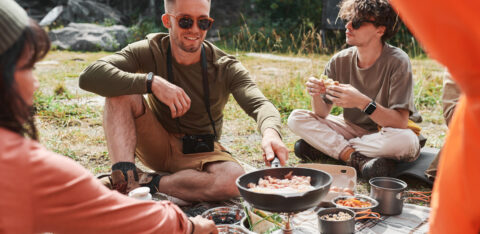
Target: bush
x=293 y=26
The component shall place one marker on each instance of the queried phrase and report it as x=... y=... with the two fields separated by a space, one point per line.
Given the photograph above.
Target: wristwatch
x=149 y=82
x=370 y=108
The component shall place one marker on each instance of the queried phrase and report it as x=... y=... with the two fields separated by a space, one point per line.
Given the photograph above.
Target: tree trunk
x=152 y=9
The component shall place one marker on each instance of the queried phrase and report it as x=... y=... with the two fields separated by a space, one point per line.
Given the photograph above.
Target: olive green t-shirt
x=388 y=81
x=124 y=73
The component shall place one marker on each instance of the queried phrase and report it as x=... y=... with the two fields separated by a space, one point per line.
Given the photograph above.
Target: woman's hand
x=202 y=225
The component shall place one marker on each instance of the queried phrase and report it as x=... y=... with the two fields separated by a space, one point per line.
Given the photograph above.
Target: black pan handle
x=275 y=162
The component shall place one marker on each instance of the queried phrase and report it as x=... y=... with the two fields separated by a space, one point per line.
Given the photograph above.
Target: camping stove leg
x=288 y=228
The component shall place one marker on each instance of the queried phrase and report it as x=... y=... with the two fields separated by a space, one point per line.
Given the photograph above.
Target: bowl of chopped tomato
x=356 y=203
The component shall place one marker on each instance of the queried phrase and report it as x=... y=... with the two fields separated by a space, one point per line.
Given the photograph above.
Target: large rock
x=89 y=37
x=89 y=12
x=85 y=11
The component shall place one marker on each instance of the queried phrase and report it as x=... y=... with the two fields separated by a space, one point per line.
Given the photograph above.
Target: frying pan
x=289 y=202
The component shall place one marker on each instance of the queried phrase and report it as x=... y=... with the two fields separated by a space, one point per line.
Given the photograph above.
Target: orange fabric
x=449 y=32
x=45 y=192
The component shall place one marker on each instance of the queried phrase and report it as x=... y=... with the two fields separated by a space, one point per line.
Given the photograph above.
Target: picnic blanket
x=414 y=219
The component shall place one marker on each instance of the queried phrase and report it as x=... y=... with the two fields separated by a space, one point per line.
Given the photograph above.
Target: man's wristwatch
x=370 y=108
x=149 y=82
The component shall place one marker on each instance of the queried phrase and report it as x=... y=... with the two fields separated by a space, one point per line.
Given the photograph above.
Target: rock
x=89 y=37
x=51 y=16
x=90 y=12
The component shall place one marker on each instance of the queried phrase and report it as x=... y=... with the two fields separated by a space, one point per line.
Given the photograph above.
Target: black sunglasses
x=356 y=24
x=186 y=21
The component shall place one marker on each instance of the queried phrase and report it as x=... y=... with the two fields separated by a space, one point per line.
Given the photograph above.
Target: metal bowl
x=359 y=197
x=224 y=215
x=336 y=226
x=233 y=229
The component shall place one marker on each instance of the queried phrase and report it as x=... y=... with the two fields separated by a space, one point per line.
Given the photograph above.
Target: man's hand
x=171 y=95
x=347 y=96
x=272 y=145
x=315 y=87
x=202 y=225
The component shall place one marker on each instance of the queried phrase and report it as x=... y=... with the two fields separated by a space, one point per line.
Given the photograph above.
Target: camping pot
x=334 y=226
x=388 y=192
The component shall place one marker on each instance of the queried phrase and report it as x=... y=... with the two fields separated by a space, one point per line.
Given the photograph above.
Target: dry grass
x=70 y=120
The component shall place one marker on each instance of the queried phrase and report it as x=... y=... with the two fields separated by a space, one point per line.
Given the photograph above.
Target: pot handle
x=275 y=162
x=424 y=196
x=367 y=214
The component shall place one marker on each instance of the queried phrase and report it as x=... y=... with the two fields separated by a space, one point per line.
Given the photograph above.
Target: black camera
x=198 y=143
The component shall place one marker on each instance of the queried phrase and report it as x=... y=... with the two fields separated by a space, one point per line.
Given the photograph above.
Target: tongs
x=275 y=162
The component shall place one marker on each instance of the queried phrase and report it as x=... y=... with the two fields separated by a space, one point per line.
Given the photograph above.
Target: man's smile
x=192 y=38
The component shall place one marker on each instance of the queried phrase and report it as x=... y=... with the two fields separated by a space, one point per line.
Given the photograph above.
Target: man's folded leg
x=329 y=135
x=207 y=176
x=376 y=154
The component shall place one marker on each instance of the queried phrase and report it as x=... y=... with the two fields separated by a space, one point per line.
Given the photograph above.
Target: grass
x=70 y=119
x=303 y=39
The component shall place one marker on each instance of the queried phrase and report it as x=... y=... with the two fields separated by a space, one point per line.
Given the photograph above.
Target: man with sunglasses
x=176 y=127
x=376 y=91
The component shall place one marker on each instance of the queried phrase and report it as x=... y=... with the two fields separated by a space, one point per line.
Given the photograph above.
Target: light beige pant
x=332 y=134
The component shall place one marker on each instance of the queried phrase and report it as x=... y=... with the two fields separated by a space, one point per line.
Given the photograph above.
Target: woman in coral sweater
x=45 y=192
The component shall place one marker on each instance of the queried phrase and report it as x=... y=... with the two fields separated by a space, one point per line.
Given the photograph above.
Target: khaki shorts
x=162 y=151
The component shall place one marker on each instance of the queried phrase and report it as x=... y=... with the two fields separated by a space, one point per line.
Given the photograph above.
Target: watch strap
x=149 y=82
x=371 y=107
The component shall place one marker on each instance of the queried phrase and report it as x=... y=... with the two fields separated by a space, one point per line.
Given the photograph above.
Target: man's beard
x=188 y=49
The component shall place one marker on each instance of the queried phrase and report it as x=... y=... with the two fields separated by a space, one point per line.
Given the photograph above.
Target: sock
x=347 y=153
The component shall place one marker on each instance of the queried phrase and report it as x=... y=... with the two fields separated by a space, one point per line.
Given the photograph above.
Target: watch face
x=370 y=108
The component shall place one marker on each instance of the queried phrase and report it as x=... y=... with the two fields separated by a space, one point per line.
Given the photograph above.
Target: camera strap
x=206 y=90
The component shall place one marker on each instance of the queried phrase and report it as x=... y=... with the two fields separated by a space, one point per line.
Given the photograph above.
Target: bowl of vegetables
x=356 y=203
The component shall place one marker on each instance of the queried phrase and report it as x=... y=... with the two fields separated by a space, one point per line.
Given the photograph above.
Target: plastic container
x=343 y=179
x=232 y=229
x=141 y=193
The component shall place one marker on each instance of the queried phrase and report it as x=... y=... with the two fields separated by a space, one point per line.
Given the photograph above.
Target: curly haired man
x=375 y=91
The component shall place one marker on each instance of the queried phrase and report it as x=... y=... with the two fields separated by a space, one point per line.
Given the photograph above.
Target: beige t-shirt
x=388 y=81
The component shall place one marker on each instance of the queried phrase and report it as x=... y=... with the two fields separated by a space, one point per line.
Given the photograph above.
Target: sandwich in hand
x=328 y=81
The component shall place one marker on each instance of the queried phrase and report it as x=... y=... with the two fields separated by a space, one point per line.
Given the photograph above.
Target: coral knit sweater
x=450 y=33
x=41 y=191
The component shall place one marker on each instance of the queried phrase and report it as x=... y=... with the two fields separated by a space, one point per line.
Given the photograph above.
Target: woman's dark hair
x=380 y=10
x=15 y=114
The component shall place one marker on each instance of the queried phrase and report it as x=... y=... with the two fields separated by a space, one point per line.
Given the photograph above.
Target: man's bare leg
x=215 y=183
x=119 y=126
